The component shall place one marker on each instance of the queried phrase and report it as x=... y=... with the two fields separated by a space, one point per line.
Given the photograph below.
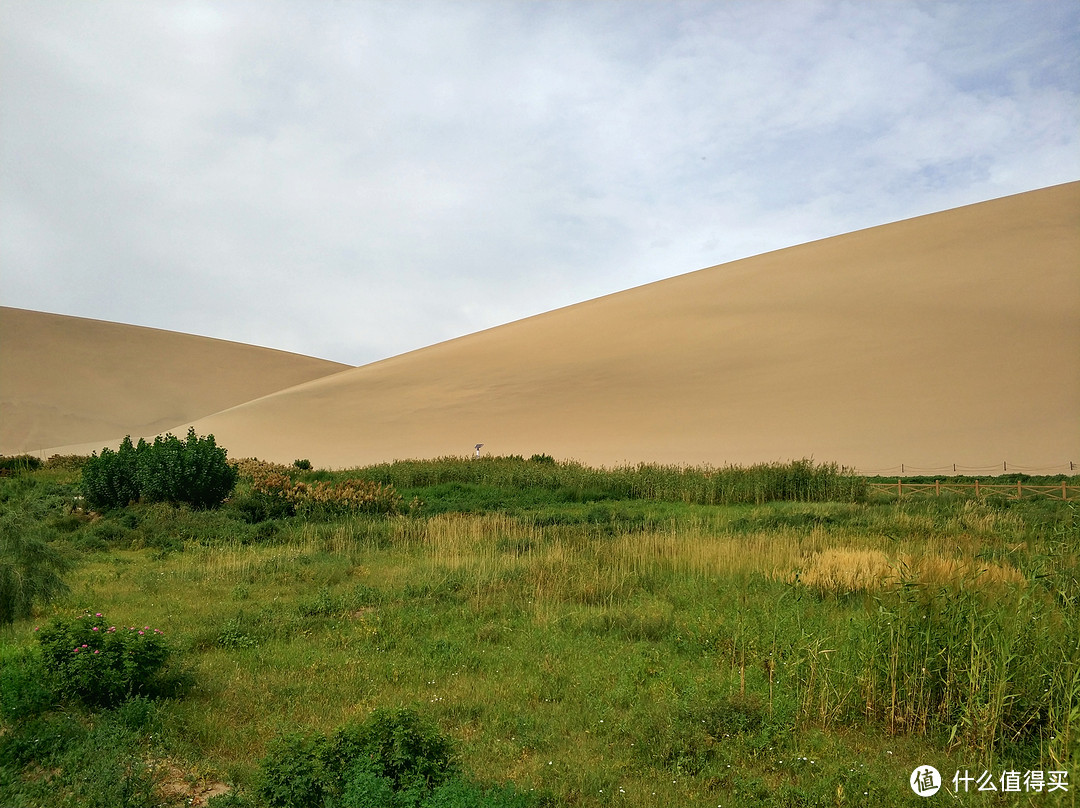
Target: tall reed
x=800 y=480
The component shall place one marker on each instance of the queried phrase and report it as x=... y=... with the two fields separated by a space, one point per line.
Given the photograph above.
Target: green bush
x=30 y=569
x=109 y=479
x=394 y=759
x=101 y=665
x=406 y=748
x=194 y=472
x=293 y=773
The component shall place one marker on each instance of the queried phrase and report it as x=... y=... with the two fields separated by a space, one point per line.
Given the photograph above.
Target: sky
x=357 y=179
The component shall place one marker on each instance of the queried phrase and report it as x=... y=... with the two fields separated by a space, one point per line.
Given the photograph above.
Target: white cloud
x=353 y=180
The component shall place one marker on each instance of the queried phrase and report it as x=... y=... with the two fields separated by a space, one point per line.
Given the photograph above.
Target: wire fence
x=1018 y=490
x=958 y=470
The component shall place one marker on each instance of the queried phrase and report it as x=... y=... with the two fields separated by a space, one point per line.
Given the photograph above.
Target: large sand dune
x=69 y=380
x=949 y=338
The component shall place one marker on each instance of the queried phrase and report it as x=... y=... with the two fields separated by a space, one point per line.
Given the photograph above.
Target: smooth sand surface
x=949 y=338
x=70 y=380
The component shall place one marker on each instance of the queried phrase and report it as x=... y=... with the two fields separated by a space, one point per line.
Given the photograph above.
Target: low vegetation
x=512 y=632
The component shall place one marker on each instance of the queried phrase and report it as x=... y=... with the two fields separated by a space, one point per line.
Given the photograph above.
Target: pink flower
x=140 y=632
x=98 y=614
x=76 y=650
x=84 y=645
x=95 y=628
x=96 y=651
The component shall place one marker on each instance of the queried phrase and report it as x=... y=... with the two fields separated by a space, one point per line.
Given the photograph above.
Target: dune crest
x=946 y=339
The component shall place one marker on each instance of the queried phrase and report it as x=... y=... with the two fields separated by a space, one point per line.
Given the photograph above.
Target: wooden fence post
x=937 y=488
x=976 y=487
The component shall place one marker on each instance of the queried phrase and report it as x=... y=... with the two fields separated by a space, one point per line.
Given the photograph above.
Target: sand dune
x=949 y=338
x=69 y=380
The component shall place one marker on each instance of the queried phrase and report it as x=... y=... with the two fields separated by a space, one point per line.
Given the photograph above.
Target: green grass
x=593 y=642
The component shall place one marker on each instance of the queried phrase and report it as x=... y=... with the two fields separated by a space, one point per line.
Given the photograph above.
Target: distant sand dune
x=69 y=380
x=949 y=338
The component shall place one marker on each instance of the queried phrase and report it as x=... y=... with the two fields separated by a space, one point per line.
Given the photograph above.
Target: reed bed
x=799 y=481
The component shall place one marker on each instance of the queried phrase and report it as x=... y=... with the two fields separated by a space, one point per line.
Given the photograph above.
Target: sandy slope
x=949 y=338
x=67 y=380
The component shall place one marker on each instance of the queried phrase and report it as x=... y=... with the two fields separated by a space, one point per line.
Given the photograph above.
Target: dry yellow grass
x=847 y=570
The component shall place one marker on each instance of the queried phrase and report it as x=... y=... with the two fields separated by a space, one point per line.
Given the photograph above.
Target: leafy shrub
x=109 y=479
x=194 y=471
x=100 y=664
x=30 y=569
x=393 y=759
x=304 y=465
x=402 y=745
x=292 y=774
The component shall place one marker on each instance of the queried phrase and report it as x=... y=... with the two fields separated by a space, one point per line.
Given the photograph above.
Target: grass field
x=648 y=637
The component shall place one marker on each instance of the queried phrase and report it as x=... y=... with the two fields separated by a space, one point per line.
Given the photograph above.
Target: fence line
x=1064 y=491
x=955 y=469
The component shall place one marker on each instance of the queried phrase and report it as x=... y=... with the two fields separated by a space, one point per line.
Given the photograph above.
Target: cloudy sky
x=355 y=179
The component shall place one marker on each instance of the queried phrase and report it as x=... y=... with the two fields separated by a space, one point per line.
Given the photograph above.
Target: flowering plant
x=99 y=663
